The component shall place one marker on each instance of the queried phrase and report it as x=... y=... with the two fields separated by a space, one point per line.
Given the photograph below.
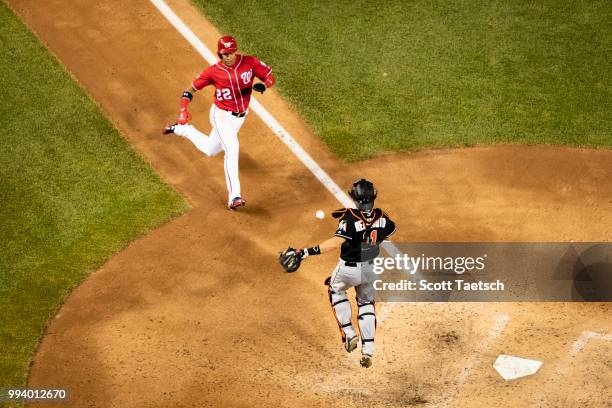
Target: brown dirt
x=198 y=313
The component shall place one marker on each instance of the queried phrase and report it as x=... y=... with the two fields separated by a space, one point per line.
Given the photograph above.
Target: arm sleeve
x=203 y=79
x=263 y=72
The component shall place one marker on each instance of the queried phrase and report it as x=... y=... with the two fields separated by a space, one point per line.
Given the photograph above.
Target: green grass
x=72 y=192
x=372 y=77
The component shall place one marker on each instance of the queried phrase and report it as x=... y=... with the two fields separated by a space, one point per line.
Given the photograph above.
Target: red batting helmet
x=227 y=45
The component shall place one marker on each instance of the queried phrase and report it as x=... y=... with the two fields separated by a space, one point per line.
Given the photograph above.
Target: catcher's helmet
x=226 y=45
x=363 y=194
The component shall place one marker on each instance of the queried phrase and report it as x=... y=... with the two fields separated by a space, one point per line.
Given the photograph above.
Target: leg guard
x=367 y=326
x=342 y=312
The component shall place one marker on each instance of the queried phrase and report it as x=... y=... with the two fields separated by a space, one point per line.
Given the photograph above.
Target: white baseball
x=320 y=214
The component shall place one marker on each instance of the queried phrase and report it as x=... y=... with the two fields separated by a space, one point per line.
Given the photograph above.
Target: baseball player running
x=232 y=78
x=359 y=234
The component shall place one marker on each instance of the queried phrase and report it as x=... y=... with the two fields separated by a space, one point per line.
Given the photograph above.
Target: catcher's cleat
x=169 y=129
x=366 y=361
x=236 y=202
x=351 y=344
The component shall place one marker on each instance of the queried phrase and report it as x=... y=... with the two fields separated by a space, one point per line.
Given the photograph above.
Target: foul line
x=501 y=320
x=579 y=344
x=263 y=113
x=563 y=368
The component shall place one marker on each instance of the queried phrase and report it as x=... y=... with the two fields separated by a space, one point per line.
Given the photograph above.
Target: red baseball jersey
x=234 y=84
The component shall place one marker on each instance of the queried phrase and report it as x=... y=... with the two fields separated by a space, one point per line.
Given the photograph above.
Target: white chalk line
x=582 y=341
x=297 y=150
x=563 y=368
x=500 y=323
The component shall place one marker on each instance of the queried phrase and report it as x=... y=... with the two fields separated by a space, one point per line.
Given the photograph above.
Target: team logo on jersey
x=342 y=226
x=246 y=76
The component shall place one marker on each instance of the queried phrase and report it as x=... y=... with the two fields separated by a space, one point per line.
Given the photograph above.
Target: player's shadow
x=255 y=209
x=248 y=163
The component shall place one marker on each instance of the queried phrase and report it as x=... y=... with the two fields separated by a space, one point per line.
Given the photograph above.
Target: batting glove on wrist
x=184 y=117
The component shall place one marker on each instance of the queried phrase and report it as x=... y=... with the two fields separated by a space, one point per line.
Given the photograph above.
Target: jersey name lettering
x=359 y=226
x=380 y=223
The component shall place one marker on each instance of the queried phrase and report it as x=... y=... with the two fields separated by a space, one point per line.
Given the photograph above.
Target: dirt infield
x=198 y=312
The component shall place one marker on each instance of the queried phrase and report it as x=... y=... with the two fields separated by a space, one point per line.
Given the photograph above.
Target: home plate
x=511 y=368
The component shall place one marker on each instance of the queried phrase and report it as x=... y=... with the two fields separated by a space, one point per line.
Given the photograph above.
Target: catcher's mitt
x=290 y=259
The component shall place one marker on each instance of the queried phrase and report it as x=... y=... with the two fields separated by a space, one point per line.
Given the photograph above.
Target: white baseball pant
x=223 y=136
x=361 y=277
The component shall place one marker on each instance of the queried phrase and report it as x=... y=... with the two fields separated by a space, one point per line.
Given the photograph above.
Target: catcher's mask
x=363 y=194
x=226 y=45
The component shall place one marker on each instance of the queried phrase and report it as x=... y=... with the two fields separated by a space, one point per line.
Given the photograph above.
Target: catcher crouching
x=360 y=232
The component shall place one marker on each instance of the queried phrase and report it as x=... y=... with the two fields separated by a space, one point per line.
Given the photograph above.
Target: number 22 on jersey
x=224 y=93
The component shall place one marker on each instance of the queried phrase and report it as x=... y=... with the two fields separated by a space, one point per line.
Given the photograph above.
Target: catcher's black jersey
x=363 y=232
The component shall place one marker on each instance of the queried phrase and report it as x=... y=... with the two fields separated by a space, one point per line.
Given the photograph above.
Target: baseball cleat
x=236 y=202
x=351 y=344
x=366 y=361
x=169 y=129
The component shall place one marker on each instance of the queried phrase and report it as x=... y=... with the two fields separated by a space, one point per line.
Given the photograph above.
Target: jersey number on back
x=224 y=93
x=372 y=237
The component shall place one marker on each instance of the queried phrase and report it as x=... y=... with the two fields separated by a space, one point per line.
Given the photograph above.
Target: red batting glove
x=184 y=116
